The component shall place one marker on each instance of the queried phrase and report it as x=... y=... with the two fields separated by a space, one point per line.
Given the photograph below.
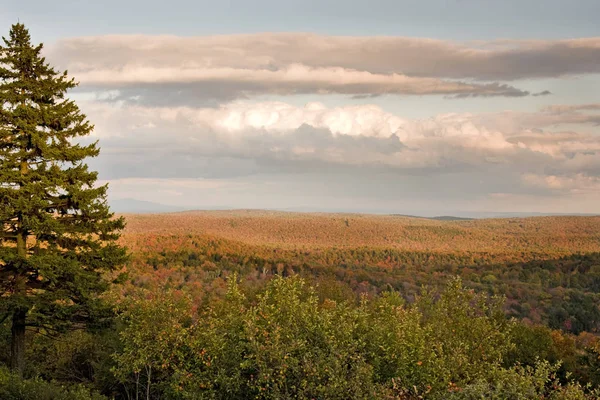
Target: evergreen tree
x=58 y=235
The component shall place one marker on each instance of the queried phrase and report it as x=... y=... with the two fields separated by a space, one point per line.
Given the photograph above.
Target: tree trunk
x=149 y=369
x=17 y=344
x=17 y=347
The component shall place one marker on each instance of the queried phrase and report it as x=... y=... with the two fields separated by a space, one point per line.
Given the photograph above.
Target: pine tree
x=59 y=236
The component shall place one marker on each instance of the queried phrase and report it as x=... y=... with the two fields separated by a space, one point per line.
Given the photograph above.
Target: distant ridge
x=484 y=215
x=440 y=218
x=451 y=218
x=133 y=206
x=442 y=215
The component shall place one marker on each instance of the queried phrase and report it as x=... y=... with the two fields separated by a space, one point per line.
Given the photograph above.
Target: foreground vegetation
x=284 y=341
x=202 y=316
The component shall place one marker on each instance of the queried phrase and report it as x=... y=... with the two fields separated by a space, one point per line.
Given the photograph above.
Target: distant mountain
x=134 y=206
x=482 y=215
x=469 y=216
x=440 y=215
x=451 y=218
x=440 y=218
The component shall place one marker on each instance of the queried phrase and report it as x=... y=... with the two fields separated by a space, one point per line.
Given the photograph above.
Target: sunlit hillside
x=547 y=267
x=559 y=235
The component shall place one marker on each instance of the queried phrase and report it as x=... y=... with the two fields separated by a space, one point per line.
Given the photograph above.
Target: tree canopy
x=58 y=234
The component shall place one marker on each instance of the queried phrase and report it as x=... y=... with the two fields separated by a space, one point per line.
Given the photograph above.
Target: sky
x=412 y=107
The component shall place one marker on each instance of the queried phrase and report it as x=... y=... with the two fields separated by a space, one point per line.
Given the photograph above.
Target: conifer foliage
x=58 y=235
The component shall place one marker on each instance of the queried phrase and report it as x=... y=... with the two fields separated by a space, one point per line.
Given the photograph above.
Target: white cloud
x=274 y=154
x=363 y=135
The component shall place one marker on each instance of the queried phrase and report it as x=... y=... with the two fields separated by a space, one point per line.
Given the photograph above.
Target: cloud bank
x=492 y=60
x=229 y=67
x=536 y=151
x=188 y=118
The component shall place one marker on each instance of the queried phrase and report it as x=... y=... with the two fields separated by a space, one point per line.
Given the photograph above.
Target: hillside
x=547 y=267
x=557 y=235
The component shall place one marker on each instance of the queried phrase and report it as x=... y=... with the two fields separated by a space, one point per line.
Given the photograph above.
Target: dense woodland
x=260 y=305
x=207 y=316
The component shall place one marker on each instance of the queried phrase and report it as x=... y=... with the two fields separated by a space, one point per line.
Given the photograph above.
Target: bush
x=14 y=388
x=288 y=344
x=534 y=383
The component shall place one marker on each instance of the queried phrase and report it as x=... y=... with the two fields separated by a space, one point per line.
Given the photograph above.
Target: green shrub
x=14 y=388
x=286 y=343
x=523 y=383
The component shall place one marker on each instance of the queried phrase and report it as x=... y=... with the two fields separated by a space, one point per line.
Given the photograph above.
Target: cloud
x=186 y=118
x=542 y=93
x=241 y=138
x=577 y=183
x=271 y=154
x=492 y=60
x=198 y=70
x=293 y=79
x=571 y=108
x=548 y=117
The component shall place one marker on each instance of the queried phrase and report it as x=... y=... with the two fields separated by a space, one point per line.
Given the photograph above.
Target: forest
x=268 y=305
x=224 y=312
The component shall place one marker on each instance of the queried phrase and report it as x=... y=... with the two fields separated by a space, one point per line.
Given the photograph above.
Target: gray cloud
x=554 y=115
x=273 y=154
x=244 y=139
x=172 y=122
x=572 y=108
x=211 y=93
x=542 y=93
x=493 y=60
x=200 y=70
